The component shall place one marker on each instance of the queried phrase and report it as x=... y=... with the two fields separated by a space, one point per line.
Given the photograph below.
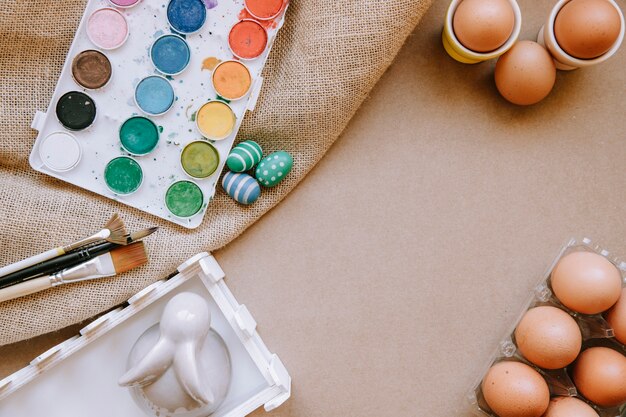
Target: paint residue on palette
x=193 y=116
x=210 y=63
x=210 y=4
x=267 y=24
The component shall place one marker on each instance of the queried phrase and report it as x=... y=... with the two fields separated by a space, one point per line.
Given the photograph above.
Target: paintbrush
x=68 y=260
x=119 y=260
x=114 y=232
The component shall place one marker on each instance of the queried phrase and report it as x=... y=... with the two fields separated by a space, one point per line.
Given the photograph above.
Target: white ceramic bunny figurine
x=182 y=349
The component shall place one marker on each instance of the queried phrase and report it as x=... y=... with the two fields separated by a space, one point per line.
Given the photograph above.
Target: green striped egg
x=273 y=168
x=244 y=156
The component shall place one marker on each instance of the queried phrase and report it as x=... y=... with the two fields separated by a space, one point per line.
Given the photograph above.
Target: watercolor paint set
x=151 y=98
x=81 y=376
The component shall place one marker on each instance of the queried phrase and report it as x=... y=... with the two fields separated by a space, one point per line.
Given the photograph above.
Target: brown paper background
x=386 y=279
x=325 y=61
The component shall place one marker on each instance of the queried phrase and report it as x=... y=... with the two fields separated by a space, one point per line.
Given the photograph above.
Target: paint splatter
x=210 y=63
x=193 y=116
x=210 y=4
x=160 y=129
x=267 y=24
x=187 y=111
x=157 y=34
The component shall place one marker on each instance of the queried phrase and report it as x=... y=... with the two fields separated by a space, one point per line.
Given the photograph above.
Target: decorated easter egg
x=274 y=168
x=244 y=156
x=241 y=187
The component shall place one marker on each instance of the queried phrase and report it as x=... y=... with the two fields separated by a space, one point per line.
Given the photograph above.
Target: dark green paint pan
x=123 y=175
x=139 y=135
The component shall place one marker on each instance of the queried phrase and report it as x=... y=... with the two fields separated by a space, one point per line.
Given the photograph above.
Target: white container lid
x=79 y=376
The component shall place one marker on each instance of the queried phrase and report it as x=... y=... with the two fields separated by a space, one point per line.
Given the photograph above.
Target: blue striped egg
x=244 y=156
x=241 y=187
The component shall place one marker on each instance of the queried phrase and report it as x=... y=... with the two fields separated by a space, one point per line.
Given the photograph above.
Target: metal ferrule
x=99 y=267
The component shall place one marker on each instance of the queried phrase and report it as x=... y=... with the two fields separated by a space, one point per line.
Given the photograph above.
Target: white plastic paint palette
x=79 y=376
x=56 y=153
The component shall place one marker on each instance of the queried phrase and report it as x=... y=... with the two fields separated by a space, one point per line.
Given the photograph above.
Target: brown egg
x=525 y=74
x=600 y=376
x=483 y=25
x=514 y=389
x=569 y=407
x=586 y=282
x=586 y=29
x=548 y=337
x=616 y=317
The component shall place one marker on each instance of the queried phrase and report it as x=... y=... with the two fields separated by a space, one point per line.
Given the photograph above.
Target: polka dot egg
x=274 y=168
x=241 y=187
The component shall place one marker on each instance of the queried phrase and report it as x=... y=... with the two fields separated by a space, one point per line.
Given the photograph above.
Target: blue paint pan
x=154 y=95
x=170 y=54
x=186 y=16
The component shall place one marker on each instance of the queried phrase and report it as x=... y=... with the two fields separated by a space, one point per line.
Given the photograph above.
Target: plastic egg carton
x=594 y=328
x=79 y=376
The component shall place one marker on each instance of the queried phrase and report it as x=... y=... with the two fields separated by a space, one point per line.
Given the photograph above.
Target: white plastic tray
x=79 y=376
x=115 y=103
x=594 y=328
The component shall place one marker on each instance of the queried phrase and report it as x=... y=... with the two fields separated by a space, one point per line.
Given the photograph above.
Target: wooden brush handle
x=25 y=288
x=33 y=260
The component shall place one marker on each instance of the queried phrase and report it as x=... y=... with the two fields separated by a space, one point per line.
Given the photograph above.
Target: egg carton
x=79 y=376
x=595 y=330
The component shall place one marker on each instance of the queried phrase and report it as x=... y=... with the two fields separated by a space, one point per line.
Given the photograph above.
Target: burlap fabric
x=325 y=61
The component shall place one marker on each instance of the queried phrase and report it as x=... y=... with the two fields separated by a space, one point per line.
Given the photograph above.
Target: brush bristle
x=142 y=233
x=117 y=229
x=128 y=257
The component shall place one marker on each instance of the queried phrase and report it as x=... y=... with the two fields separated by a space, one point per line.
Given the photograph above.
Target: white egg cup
x=180 y=365
x=562 y=59
x=455 y=48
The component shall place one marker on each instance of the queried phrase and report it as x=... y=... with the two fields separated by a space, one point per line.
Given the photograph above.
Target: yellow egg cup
x=562 y=59
x=458 y=52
